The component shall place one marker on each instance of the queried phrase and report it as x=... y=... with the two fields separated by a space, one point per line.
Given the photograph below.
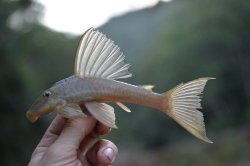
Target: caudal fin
x=181 y=104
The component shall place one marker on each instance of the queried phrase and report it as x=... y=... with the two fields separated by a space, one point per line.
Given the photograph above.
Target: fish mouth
x=31 y=117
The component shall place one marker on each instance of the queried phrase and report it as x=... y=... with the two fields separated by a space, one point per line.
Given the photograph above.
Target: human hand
x=66 y=142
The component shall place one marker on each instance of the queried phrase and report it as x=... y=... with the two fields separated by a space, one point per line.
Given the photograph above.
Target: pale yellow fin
x=98 y=56
x=125 y=108
x=70 y=111
x=147 y=87
x=104 y=113
x=181 y=104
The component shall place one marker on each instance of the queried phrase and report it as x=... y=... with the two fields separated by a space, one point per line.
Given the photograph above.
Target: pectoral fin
x=102 y=112
x=70 y=111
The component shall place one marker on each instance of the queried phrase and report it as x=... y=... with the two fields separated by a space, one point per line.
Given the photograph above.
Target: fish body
x=98 y=65
x=77 y=90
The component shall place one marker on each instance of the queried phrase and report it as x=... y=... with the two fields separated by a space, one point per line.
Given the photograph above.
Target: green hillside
x=167 y=44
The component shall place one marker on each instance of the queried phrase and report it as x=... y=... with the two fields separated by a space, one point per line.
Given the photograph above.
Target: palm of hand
x=66 y=143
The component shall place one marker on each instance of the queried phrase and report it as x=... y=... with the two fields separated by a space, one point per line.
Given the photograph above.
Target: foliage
x=166 y=44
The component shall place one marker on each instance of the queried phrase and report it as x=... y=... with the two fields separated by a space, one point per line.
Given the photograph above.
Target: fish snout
x=31 y=117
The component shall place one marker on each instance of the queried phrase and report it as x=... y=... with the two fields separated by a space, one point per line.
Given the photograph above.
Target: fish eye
x=47 y=94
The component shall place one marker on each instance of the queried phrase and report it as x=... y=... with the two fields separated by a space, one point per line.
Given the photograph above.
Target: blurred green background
x=166 y=44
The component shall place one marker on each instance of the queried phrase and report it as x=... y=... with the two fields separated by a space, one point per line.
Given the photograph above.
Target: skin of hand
x=67 y=142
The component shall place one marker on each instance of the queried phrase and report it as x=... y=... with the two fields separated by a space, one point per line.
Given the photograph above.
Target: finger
x=74 y=131
x=100 y=129
x=103 y=152
x=53 y=131
x=51 y=134
x=86 y=143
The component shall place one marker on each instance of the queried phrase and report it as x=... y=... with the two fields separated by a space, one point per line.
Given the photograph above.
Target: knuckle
x=101 y=129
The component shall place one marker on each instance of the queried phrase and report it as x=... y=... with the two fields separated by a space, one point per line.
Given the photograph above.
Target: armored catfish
x=98 y=65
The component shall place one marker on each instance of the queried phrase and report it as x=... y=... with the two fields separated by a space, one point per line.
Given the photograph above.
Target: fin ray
x=122 y=106
x=181 y=104
x=98 y=56
x=70 y=111
x=102 y=112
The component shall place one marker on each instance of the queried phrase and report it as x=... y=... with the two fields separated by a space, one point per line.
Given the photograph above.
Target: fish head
x=43 y=105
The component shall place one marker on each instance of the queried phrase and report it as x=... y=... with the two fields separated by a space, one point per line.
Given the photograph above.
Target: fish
x=99 y=64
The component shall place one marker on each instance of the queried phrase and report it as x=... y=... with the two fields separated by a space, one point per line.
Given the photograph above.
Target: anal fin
x=122 y=106
x=102 y=112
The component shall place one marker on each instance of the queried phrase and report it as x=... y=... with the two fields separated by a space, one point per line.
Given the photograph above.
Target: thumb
x=74 y=132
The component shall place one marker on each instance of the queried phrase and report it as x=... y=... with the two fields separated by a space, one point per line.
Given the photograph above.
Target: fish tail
x=181 y=104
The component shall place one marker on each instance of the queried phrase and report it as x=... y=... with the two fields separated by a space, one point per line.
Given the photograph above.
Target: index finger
x=74 y=131
x=51 y=134
x=53 y=131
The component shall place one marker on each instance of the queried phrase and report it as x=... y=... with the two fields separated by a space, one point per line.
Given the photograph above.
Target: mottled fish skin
x=76 y=90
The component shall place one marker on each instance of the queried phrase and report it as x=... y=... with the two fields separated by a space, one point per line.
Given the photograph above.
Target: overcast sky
x=75 y=16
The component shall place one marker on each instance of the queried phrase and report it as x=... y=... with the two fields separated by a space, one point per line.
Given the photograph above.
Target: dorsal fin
x=98 y=56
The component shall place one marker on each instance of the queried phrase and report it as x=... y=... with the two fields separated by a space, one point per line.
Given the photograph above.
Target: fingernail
x=109 y=154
